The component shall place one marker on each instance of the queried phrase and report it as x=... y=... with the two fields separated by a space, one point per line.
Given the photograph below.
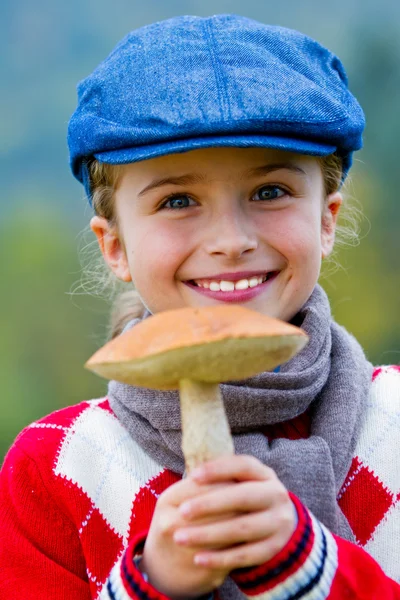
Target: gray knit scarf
x=330 y=376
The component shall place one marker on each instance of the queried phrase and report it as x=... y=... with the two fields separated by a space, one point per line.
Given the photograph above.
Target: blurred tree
x=364 y=288
x=46 y=335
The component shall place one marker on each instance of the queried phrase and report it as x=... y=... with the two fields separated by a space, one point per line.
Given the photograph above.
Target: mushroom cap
x=211 y=344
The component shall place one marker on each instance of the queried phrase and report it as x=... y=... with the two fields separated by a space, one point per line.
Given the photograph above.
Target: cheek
x=156 y=250
x=297 y=238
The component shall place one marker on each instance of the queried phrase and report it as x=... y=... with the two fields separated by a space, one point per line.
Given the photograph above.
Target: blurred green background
x=47 y=47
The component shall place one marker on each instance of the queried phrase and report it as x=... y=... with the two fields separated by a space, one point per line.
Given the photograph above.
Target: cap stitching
x=219 y=78
x=247 y=120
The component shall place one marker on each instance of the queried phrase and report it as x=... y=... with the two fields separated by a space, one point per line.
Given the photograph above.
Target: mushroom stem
x=205 y=428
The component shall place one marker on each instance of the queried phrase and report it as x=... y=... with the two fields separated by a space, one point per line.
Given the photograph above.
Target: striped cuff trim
x=126 y=581
x=287 y=561
x=306 y=573
x=132 y=576
x=114 y=588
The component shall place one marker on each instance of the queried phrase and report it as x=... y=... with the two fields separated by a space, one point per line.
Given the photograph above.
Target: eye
x=177 y=202
x=269 y=192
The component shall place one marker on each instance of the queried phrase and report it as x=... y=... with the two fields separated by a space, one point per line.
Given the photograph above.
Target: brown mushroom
x=193 y=350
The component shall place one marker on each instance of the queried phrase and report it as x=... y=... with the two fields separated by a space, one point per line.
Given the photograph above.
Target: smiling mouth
x=222 y=285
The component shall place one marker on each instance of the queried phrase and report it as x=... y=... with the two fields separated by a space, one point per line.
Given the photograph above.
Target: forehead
x=216 y=163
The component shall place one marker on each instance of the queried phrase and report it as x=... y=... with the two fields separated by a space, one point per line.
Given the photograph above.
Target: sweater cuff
x=306 y=564
x=126 y=581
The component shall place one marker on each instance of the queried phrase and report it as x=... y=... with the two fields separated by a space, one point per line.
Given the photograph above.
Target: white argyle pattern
x=100 y=457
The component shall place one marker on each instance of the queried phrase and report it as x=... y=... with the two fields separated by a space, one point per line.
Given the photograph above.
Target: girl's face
x=221 y=225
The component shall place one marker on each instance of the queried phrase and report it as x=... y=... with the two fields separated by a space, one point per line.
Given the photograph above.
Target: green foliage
x=364 y=291
x=46 y=335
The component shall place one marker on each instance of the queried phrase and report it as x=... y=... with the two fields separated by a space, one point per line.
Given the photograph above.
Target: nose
x=231 y=235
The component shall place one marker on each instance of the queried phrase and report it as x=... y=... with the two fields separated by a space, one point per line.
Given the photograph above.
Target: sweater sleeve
x=126 y=582
x=40 y=553
x=317 y=564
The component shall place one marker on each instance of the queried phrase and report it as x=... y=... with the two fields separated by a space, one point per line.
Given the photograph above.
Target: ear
x=111 y=246
x=330 y=214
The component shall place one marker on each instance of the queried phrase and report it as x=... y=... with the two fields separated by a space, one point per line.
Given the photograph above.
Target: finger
x=168 y=521
x=245 y=555
x=224 y=534
x=241 y=497
x=183 y=490
x=232 y=467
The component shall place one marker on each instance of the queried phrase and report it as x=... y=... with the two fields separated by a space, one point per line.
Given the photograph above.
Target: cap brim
x=288 y=144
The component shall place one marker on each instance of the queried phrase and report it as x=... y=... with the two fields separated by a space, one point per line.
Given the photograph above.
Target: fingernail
x=185 y=508
x=180 y=537
x=200 y=559
x=198 y=473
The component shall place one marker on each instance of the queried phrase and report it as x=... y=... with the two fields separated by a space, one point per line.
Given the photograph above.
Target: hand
x=253 y=518
x=170 y=566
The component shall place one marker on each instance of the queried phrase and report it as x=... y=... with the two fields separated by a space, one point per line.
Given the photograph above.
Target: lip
x=232 y=276
x=237 y=295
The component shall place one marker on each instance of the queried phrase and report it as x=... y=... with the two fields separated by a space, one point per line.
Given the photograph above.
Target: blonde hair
x=127 y=304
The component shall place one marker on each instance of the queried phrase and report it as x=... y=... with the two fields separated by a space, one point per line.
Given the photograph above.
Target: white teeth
x=253 y=282
x=230 y=286
x=242 y=284
x=227 y=286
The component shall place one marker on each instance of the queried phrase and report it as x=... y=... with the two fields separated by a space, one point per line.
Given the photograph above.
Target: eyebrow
x=265 y=169
x=188 y=179
x=191 y=178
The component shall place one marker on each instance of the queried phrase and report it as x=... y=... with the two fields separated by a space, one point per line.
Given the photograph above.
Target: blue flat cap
x=191 y=82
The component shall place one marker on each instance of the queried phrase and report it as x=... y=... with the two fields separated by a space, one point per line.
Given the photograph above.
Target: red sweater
x=77 y=496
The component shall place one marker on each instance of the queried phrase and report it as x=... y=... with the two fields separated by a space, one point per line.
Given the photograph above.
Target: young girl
x=213 y=151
